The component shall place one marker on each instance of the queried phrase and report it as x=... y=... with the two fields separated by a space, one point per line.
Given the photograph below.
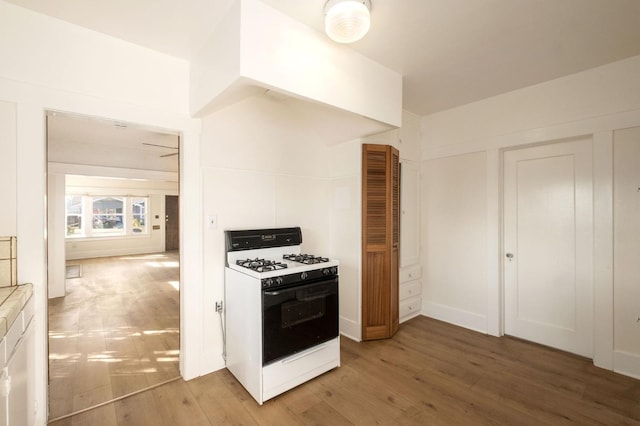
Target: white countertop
x=12 y=301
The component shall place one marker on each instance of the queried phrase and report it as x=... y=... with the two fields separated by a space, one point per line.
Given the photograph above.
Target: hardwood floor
x=429 y=373
x=115 y=332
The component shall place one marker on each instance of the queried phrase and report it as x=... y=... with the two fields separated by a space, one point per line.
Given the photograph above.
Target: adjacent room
x=113 y=264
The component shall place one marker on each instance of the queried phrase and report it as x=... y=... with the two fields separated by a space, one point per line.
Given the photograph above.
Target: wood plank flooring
x=115 y=332
x=429 y=373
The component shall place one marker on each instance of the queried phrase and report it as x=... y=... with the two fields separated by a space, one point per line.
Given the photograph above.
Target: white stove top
x=274 y=254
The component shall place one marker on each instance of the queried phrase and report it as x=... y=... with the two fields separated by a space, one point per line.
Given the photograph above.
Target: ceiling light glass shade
x=347 y=21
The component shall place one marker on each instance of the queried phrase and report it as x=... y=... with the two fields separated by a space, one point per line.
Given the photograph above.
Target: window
x=74 y=215
x=139 y=214
x=107 y=216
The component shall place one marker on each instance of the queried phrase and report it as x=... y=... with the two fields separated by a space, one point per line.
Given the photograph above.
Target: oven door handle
x=319 y=295
x=314 y=297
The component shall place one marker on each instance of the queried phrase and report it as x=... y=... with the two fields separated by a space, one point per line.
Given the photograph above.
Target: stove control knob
x=303 y=276
x=279 y=280
x=268 y=282
x=330 y=271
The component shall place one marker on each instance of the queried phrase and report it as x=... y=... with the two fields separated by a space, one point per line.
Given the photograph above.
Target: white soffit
x=283 y=55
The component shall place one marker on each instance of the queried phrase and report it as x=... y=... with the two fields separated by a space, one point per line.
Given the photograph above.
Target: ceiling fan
x=163 y=146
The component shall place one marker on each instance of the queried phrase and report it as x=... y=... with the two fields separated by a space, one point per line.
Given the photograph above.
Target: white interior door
x=548 y=245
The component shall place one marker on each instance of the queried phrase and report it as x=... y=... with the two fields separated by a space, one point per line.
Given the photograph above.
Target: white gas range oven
x=281 y=311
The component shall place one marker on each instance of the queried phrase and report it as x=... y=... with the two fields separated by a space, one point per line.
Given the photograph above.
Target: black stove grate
x=307 y=259
x=261 y=265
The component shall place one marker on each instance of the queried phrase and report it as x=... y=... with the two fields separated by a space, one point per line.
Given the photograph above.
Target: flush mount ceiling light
x=346 y=21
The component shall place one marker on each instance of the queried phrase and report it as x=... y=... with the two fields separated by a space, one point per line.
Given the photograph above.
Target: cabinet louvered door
x=380 y=237
x=394 y=271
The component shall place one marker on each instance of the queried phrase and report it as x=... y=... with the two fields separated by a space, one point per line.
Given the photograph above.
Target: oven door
x=298 y=317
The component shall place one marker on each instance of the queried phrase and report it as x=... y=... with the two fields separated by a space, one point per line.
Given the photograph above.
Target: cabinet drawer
x=409 y=289
x=410 y=273
x=297 y=369
x=410 y=307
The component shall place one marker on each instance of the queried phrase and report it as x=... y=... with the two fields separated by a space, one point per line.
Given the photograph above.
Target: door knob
x=509 y=256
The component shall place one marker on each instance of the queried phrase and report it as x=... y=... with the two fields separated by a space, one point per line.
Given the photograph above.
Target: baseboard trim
x=350 y=329
x=459 y=317
x=626 y=363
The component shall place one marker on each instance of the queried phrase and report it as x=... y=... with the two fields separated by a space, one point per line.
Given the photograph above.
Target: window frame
x=80 y=216
x=87 y=217
x=143 y=224
x=107 y=217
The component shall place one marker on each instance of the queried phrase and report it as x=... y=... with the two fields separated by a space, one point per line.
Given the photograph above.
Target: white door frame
x=603 y=353
x=31 y=172
x=564 y=321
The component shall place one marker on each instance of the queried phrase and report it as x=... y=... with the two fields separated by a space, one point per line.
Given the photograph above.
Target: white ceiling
x=83 y=140
x=450 y=52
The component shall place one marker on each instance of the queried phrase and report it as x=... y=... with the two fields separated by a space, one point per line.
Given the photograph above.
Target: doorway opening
x=113 y=278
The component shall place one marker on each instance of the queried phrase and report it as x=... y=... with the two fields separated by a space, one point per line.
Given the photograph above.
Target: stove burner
x=261 y=265
x=307 y=259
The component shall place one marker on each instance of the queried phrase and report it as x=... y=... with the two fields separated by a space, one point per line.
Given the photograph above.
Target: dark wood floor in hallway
x=115 y=332
x=430 y=373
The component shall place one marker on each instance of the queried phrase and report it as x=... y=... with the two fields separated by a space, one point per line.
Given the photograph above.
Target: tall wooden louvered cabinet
x=380 y=241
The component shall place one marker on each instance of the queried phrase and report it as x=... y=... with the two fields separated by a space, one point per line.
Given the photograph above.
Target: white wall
x=454 y=257
x=49 y=64
x=547 y=110
x=626 y=237
x=216 y=66
x=469 y=139
x=259 y=169
x=56 y=230
x=345 y=202
x=8 y=168
x=88 y=62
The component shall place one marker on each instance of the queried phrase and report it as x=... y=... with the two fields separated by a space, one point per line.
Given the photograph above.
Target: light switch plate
x=212 y=221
